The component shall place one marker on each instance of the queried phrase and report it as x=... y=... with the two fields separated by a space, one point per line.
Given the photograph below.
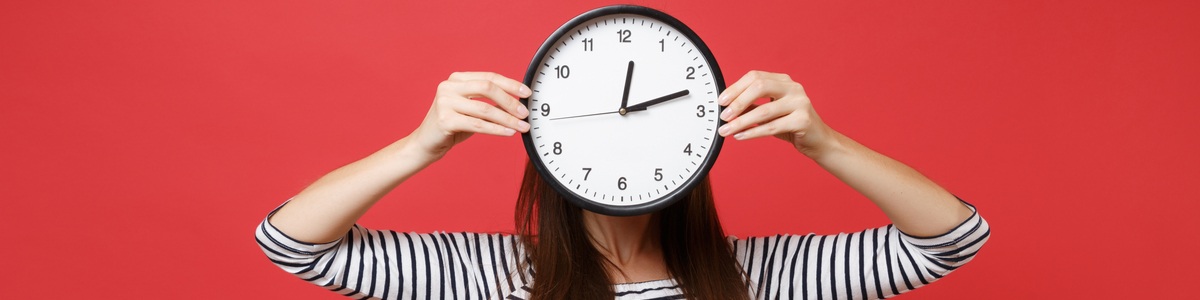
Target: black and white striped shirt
x=870 y=264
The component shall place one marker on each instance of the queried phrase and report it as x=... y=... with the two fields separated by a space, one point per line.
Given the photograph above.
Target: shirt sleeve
x=385 y=264
x=871 y=264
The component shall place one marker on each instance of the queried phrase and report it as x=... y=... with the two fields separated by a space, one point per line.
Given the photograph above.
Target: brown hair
x=567 y=265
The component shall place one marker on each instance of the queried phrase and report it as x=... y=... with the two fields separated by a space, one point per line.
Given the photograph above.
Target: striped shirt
x=382 y=264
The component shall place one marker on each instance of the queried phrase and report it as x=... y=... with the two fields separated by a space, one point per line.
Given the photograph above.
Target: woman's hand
x=788 y=116
x=456 y=113
x=917 y=205
x=328 y=208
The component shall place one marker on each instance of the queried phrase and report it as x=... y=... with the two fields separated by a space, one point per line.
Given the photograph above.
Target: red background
x=143 y=141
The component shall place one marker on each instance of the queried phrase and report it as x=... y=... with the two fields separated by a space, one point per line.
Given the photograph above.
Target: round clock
x=623 y=113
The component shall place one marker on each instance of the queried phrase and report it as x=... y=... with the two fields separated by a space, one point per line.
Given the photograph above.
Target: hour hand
x=644 y=105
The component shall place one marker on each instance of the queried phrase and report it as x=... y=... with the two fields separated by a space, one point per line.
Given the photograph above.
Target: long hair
x=566 y=265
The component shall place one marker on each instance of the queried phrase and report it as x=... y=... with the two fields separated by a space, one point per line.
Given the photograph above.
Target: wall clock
x=623 y=113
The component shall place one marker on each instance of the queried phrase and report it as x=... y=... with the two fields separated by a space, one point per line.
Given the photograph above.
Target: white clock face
x=645 y=152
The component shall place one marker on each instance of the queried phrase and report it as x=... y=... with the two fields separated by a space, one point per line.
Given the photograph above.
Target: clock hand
x=636 y=107
x=644 y=105
x=587 y=115
x=625 y=95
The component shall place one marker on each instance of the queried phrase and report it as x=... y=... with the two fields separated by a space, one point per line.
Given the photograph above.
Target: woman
x=561 y=251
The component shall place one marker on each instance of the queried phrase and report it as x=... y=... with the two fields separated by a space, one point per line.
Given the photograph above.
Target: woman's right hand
x=457 y=112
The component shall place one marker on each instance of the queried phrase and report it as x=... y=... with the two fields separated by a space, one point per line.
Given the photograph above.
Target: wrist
x=824 y=143
x=408 y=151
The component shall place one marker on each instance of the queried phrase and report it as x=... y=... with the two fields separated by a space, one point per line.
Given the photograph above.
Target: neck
x=624 y=240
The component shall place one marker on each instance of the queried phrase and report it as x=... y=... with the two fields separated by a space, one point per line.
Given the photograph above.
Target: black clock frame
x=690 y=183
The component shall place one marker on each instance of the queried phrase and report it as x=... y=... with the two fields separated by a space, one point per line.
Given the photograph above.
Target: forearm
x=325 y=210
x=914 y=203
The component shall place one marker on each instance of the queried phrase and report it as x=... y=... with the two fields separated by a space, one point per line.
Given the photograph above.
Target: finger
x=509 y=85
x=761 y=87
x=786 y=123
x=756 y=115
x=491 y=90
x=490 y=114
x=740 y=86
x=735 y=89
x=463 y=123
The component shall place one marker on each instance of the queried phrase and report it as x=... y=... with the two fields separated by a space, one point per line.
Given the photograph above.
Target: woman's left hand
x=789 y=114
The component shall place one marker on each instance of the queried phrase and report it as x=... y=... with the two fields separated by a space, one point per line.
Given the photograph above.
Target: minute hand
x=644 y=105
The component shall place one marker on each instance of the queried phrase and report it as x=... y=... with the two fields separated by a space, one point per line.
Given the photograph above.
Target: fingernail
x=723 y=130
x=522 y=111
x=524 y=126
x=509 y=132
x=725 y=114
x=524 y=91
x=739 y=136
x=722 y=98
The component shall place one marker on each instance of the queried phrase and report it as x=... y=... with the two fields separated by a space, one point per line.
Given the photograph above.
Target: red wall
x=142 y=142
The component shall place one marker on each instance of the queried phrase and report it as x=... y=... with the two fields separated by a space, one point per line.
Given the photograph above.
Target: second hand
x=587 y=115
